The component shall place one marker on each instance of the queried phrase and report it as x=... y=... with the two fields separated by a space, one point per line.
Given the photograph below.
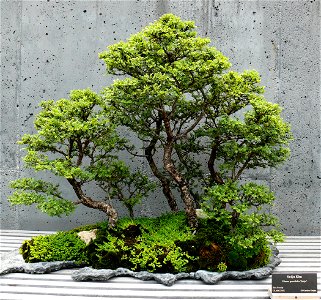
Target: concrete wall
x=51 y=47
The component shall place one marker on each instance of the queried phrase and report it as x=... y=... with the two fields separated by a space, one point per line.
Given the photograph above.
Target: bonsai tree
x=75 y=140
x=201 y=127
x=180 y=98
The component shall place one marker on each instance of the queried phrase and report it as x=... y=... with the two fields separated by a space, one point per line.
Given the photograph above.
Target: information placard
x=294 y=283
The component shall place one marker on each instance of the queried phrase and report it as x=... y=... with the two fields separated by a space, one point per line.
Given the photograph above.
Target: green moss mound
x=163 y=244
x=143 y=244
x=62 y=246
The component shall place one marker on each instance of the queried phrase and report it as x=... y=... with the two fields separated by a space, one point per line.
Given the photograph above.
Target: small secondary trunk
x=107 y=208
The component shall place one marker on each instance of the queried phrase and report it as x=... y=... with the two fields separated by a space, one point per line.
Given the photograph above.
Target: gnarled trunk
x=182 y=184
x=215 y=177
x=165 y=182
x=107 y=208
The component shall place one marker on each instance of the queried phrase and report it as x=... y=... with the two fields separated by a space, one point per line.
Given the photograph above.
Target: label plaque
x=294 y=283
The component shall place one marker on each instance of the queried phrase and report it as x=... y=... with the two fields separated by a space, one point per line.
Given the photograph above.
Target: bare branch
x=239 y=173
x=188 y=130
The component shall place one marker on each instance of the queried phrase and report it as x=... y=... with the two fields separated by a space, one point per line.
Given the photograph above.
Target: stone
x=201 y=214
x=86 y=274
x=12 y=262
x=87 y=236
x=169 y=279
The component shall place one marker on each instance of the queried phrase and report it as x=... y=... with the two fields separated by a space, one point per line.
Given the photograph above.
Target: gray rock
x=87 y=274
x=13 y=262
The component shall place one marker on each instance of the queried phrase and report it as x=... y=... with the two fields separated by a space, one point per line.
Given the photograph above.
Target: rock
x=88 y=273
x=13 y=262
x=87 y=236
x=201 y=214
x=256 y=274
x=208 y=277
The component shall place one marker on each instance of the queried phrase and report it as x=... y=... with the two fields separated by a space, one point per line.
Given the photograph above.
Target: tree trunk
x=215 y=177
x=107 y=208
x=182 y=184
x=131 y=211
x=165 y=182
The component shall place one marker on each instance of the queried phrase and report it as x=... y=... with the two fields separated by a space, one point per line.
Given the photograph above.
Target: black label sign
x=294 y=283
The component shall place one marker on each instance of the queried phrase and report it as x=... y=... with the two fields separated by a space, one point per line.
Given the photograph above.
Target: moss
x=163 y=244
x=147 y=244
x=62 y=246
x=89 y=227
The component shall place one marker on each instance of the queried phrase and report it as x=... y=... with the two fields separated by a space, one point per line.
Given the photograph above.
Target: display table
x=298 y=254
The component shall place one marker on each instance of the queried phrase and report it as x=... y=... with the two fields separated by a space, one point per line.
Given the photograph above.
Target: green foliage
x=76 y=140
x=62 y=246
x=46 y=195
x=162 y=244
x=221 y=267
x=259 y=140
x=178 y=95
x=143 y=244
x=120 y=183
x=240 y=213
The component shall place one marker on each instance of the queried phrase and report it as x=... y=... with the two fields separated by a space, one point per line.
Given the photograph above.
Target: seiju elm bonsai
x=201 y=125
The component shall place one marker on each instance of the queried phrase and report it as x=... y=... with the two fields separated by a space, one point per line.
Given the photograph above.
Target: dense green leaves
x=161 y=244
x=76 y=140
x=242 y=213
x=144 y=244
x=167 y=63
x=46 y=195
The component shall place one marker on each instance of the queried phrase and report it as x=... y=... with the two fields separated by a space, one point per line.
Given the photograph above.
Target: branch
x=167 y=125
x=108 y=209
x=188 y=130
x=81 y=152
x=244 y=166
x=71 y=143
x=193 y=78
x=85 y=144
x=183 y=122
x=53 y=149
x=215 y=177
x=135 y=154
